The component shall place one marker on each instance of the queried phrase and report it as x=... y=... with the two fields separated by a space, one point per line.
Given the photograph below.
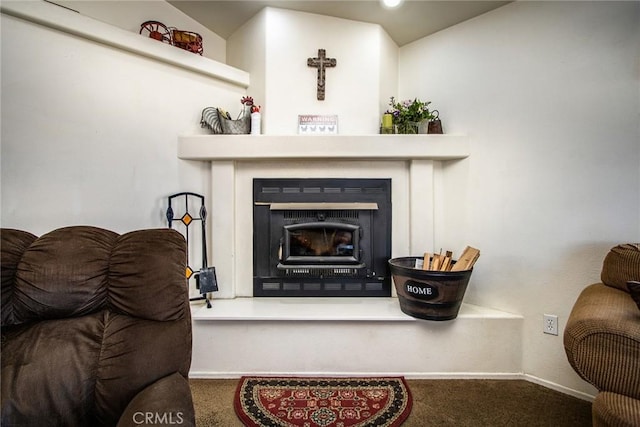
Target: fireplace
x=321 y=237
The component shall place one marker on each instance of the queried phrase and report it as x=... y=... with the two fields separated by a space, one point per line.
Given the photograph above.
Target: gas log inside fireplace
x=321 y=237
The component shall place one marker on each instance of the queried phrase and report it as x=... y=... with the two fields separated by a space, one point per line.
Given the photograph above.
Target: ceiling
x=413 y=20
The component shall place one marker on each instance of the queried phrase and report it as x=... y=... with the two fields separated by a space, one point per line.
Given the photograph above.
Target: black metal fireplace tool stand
x=206 y=277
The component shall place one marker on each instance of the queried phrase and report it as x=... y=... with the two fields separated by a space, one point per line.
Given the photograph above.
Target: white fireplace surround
x=338 y=336
x=413 y=162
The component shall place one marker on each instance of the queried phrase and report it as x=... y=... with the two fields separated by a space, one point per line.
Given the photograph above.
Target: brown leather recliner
x=602 y=339
x=96 y=328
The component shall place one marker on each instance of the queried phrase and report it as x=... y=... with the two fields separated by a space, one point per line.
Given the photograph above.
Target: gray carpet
x=436 y=403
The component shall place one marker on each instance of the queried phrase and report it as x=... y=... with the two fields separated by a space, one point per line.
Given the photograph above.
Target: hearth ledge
x=323 y=309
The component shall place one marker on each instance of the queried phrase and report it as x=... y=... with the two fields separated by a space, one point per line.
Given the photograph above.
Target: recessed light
x=391 y=4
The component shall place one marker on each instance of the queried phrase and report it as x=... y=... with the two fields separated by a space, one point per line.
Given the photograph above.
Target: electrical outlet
x=550 y=325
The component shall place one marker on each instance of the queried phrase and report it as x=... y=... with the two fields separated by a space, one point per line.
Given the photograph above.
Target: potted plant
x=408 y=115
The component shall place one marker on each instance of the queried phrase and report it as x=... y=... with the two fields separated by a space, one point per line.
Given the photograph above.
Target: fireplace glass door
x=320 y=243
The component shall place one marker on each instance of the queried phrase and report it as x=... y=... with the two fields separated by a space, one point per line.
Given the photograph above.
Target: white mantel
x=354 y=147
x=413 y=162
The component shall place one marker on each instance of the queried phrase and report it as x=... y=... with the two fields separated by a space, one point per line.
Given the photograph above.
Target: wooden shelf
x=345 y=147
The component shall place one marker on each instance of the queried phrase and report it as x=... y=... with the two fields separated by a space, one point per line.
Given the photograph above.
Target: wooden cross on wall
x=321 y=62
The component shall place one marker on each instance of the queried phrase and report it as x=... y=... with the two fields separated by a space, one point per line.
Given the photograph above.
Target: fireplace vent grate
x=296 y=215
x=270 y=190
x=353 y=190
x=332 y=190
x=318 y=190
x=311 y=190
x=320 y=288
x=322 y=272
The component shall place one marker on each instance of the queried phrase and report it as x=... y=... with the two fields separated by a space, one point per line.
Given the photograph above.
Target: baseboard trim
x=408 y=375
x=557 y=387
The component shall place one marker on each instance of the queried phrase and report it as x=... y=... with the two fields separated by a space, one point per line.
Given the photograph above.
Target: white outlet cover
x=550 y=325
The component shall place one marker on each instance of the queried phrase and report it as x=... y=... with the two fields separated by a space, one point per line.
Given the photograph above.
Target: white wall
x=389 y=59
x=130 y=14
x=247 y=50
x=89 y=132
x=354 y=88
x=548 y=93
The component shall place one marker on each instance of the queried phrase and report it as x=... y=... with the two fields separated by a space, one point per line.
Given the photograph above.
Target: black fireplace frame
x=361 y=206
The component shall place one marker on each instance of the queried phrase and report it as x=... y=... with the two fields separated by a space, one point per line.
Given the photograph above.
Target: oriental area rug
x=322 y=402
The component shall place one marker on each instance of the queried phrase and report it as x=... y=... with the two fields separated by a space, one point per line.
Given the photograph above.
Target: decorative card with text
x=317 y=124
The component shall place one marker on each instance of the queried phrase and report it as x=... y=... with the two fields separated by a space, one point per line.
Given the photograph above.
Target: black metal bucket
x=430 y=295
